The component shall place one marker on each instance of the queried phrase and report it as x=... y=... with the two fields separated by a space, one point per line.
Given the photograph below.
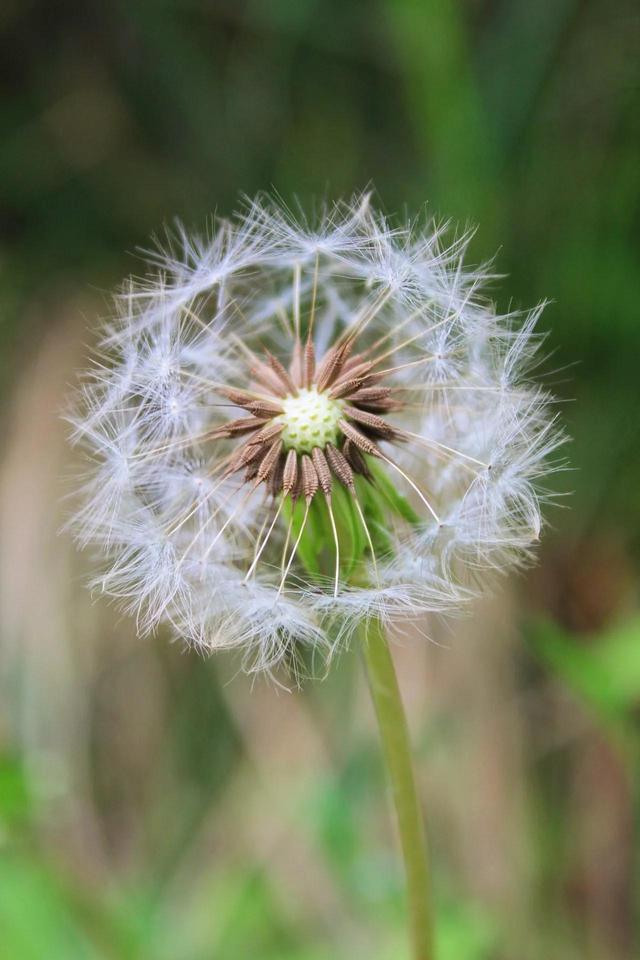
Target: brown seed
x=358 y=439
x=250 y=451
x=356 y=460
x=310 y=482
x=346 y=387
x=268 y=432
x=383 y=406
x=340 y=465
x=251 y=471
x=358 y=372
x=290 y=474
x=331 y=365
x=240 y=397
x=372 y=397
x=281 y=373
x=295 y=369
x=269 y=460
x=266 y=376
x=371 y=421
x=235 y=463
x=351 y=362
x=263 y=408
x=309 y=363
x=234 y=427
x=274 y=480
x=322 y=469
x=296 y=492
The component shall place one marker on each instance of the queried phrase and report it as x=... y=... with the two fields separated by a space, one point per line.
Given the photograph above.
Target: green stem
x=396 y=749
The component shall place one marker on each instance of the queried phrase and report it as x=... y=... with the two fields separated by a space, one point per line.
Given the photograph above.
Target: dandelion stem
x=396 y=749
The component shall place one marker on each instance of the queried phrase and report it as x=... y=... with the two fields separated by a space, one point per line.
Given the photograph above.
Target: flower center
x=310 y=420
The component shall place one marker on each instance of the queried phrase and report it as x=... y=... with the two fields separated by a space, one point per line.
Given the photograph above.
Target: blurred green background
x=157 y=807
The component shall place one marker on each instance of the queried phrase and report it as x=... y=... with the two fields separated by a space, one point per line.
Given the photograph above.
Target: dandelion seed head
x=296 y=424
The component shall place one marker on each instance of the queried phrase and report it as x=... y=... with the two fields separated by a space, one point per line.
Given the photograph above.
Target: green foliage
x=379 y=501
x=35 y=916
x=15 y=804
x=603 y=671
x=394 y=500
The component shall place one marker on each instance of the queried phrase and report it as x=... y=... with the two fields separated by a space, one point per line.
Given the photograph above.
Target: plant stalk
x=396 y=749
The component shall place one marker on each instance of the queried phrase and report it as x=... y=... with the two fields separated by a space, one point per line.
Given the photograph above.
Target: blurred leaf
x=35 y=919
x=349 y=530
x=310 y=526
x=516 y=54
x=386 y=487
x=14 y=795
x=604 y=672
x=433 y=52
x=465 y=932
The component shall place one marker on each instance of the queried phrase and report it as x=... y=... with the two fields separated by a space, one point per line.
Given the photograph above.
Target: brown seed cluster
x=341 y=375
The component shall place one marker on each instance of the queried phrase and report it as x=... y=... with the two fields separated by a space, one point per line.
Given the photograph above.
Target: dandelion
x=295 y=430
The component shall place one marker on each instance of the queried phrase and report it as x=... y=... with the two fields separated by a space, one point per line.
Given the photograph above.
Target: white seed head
x=300 y=425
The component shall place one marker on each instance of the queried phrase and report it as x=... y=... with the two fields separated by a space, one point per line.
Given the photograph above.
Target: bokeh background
x=158 y=807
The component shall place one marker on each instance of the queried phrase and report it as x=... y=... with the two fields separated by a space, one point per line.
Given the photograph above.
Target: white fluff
x=177 y=540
